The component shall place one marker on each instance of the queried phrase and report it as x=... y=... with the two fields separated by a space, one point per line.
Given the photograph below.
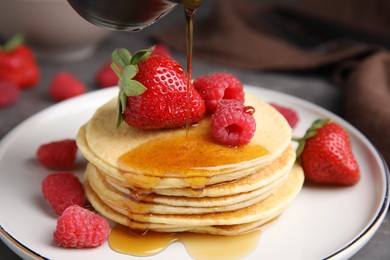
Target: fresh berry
x=153 y=92
x=233 y=124
x=58 y=155
x=106 y=77
x=65 y=85
x=326 y=155
x=10 y=93
x=160 y=49
x=218 y=86
x=62 y=190
x=289 y=114
x=17 y=63
x=78 y=227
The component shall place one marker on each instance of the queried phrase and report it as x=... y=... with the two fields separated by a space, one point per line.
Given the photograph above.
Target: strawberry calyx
x=310 y=132
x=126 y=67
x=13 y=43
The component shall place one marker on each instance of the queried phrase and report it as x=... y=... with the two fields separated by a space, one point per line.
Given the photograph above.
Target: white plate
x=322 y=222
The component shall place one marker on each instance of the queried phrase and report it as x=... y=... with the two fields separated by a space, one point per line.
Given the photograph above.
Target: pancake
x=124 y=201
x=212 y=223
x=240 y=184
x=146 y=181
x=118 y=152
x=174 y=180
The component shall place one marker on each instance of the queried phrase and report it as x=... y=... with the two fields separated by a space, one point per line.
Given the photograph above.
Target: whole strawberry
x=326 y=155
x=153 y=91
x=17 y=63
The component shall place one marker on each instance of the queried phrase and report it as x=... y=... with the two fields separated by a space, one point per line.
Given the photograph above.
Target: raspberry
x=58 y=155
x=64 y=85
x=218 y=86
x=106 y=77
x=10 y=93
x=233 y=124
x=79 y=228
x=161 y=49
x=62 y=190
x=289 y=114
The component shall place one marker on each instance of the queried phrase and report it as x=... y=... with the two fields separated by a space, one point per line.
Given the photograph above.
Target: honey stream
x=189 y=13
x=190 y=7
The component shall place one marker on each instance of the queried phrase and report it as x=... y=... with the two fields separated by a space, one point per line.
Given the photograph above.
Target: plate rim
x=20 y=249
x=366 y=234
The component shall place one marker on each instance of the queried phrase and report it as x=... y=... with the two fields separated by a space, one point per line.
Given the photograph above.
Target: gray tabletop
x=313 y=87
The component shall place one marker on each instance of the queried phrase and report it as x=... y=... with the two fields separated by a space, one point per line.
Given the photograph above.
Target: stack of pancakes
x=176 y=180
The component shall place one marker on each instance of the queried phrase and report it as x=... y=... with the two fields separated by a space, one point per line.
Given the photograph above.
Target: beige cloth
x=344 y=36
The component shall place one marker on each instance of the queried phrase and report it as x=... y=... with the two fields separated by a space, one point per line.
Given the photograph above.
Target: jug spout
x=125 y=15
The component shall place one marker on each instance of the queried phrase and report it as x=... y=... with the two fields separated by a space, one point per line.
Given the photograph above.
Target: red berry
x=233 y=124
x=289 y=114
x=160 y=49
x=17 y=63
x=58 y=155
x=80 y=228
x=62 y=190
x=326 y=155
x=106 y=77
x=164 y=103
x=64 y=85
x=10 y=93
x=218 y=86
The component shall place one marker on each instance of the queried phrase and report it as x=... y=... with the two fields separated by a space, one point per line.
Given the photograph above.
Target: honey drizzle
x=199 y=246
x=189 y=13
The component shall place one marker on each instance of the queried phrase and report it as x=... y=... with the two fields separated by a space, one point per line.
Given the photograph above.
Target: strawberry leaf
x=121 y=57
x=116 y=69
x=121 y=106
x=12 y=43
x=134 y=88
x=129 y=71
x=129 y=86
x=141 y=55
x=122 y=101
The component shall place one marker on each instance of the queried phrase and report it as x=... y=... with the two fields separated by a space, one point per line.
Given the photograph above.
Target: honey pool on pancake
x=174 y=156
x=198 y=246
x=188 y=157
